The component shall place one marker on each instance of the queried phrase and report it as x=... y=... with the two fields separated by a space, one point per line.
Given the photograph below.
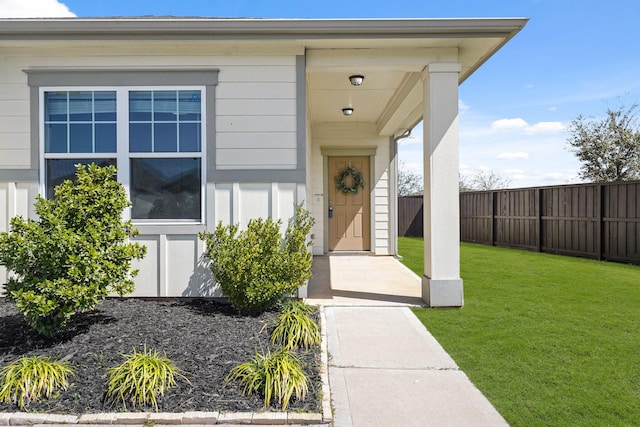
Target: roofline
x=240 y=28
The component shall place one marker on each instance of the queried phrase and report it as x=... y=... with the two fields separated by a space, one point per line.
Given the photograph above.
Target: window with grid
x=154 y=137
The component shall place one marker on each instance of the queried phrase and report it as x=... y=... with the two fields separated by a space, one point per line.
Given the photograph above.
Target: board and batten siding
x=255 y=124
x=352 y=136
x=16 y=199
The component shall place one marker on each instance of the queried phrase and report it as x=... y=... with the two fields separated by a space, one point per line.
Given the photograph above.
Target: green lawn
x=550 y=340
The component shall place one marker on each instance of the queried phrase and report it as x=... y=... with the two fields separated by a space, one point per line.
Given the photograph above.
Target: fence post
x=600 y=222
x=539 y=229
x=492 y=212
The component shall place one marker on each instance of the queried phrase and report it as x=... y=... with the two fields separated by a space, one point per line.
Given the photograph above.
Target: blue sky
x=574 y=57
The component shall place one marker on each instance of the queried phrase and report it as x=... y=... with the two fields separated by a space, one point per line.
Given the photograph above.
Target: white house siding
x=255 y=121
x=352 y=136
x=256 y=115
x=14 y=117
x=16 y=199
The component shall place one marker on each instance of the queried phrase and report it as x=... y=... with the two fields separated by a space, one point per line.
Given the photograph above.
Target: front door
x=349 y=212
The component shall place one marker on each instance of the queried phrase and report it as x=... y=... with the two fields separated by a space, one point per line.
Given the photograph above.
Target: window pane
x=55 y=137
x=105 y=138
x=105 y=106
x=58 y=170
x=189 y=137
x=140 y=137
x=139 y=106
x=76 y=132
x=166 y=138
x=80 y=106
x=55 y=106
x=80 y=138
x=165 y=188
x=189 y=105
x=164 y=106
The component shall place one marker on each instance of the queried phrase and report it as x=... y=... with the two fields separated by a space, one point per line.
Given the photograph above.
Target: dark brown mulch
x=205 y=339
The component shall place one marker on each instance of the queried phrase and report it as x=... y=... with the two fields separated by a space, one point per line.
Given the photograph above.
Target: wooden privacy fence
x=600 y=221
x=410 y=216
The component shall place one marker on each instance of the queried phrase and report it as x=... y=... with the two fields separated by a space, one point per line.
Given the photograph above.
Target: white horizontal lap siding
x=14 y=116
x=381 y=197
x=256 y=116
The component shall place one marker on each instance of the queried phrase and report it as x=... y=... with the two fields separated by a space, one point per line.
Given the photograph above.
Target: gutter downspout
x=394 y=190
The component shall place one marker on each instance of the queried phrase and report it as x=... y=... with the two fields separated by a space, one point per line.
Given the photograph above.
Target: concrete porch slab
x=360 y=280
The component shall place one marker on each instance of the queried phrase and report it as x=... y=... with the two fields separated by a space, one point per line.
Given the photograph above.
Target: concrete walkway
x=385 y=368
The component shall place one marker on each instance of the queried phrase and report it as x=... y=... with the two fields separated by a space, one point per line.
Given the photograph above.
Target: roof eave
x=171 y=28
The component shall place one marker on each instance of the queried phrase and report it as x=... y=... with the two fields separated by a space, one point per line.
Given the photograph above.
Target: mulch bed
x=204 y=338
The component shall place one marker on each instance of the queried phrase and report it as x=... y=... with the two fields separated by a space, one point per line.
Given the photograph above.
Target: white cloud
x=462 y=105
x=506 y=124
x=516 y=155
x=554 y=109
x=34 y=9
x=545 y=127
x=529 y=86
x=521 y=124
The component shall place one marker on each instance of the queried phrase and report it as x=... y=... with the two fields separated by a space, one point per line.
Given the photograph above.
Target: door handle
x=330 y=209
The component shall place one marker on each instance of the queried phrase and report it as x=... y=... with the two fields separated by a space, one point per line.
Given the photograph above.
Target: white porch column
x=441 y=283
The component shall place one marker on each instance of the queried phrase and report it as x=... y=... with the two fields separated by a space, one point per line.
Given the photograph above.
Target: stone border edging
x=164 y=418
x=193 y=417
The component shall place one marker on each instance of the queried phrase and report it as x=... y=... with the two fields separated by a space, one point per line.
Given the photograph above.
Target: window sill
x=170 y=228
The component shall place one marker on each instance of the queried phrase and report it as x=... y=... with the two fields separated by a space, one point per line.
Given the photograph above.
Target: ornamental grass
x=276 y=375
x=141 y=378
x=295 y=328
x=30 y=378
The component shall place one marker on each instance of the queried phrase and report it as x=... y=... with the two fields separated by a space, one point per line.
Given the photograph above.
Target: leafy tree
x=609 y=148
x=409 y=183
x=256 y=267
x=75 y=254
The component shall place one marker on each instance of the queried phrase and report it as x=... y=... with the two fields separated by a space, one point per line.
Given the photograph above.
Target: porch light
x=356 y=79
x=347 y=111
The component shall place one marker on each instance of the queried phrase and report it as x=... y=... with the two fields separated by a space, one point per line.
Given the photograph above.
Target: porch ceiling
x=391 y=94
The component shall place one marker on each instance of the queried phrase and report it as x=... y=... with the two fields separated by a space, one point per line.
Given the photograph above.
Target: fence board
x=410 y=216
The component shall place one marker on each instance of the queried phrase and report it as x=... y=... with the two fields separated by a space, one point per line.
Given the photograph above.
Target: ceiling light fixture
x=356 y=79
x=347 y=111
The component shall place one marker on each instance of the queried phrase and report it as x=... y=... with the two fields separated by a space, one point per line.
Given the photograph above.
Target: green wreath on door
x=357 y=180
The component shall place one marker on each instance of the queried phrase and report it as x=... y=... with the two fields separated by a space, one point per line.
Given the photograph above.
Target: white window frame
x=122 y=154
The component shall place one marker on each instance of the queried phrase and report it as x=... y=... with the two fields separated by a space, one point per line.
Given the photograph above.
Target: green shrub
x=141 y=378
x=75 y=254
x=295 y=328
x=276 y=375
x=255 y=267
x=29 y=378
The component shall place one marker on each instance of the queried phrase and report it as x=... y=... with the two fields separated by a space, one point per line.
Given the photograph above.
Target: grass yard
x=550 y=340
